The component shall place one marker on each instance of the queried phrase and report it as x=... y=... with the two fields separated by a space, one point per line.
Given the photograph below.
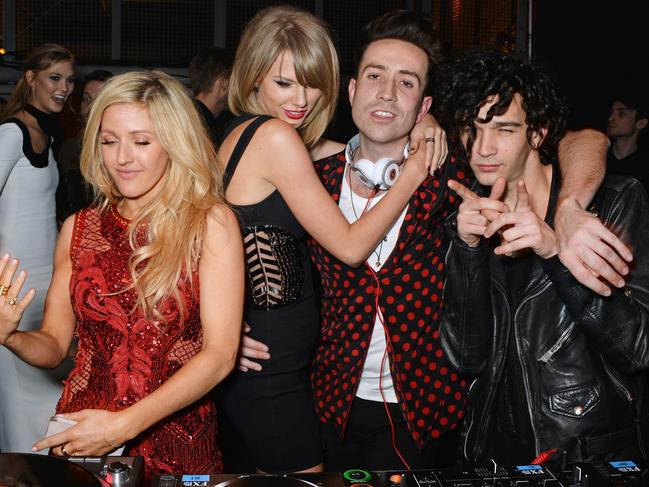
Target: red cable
x=385 y=352
x=543 y=457
x=385 y=355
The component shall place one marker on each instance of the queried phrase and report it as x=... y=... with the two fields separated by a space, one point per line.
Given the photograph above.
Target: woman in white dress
x=28 y=231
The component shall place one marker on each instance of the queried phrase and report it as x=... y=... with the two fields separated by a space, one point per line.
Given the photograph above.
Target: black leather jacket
x=583 y=356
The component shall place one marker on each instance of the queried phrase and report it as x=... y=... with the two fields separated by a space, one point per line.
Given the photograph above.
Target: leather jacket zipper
x=489 y=400
x=468 y=430
x=526 y=384
x=565 y=336
x=617 y=382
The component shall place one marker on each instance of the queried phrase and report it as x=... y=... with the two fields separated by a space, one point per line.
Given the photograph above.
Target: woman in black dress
x=284 y=88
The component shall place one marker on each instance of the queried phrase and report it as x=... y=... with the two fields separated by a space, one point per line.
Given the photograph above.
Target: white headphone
x=381 y=174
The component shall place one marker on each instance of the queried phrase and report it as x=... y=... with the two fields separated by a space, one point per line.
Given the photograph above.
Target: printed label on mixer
x=530 y=469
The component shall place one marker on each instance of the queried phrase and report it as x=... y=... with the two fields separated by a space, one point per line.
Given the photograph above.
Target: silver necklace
x=385 y=239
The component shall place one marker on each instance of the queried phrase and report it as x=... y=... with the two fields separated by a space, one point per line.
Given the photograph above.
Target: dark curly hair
x=479 y=74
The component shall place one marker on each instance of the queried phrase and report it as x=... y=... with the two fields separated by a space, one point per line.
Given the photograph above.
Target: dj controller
x=27 y=470
x=617 y=474
x=31 y=470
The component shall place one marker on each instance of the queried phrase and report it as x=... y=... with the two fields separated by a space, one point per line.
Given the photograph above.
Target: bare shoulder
x=325 y=148
x=63 y=250
x=222 y=224
x=221 y=215
x=277 y=133
x=273 y=135
x=65 y=233
x=222 y=239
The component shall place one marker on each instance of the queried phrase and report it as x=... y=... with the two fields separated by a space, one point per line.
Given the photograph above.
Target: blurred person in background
x=74 y=193
x=28 y=181
x=627 y=122
x=209 y=76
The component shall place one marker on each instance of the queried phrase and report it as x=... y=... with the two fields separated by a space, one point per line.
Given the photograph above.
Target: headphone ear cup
x=386 y=172
x=366 y=172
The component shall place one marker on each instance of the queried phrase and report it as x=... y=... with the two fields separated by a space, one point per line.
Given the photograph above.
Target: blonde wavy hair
x=270 y=33
x=166 y=235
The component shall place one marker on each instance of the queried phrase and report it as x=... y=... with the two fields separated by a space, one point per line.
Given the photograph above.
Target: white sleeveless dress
x=28 y=231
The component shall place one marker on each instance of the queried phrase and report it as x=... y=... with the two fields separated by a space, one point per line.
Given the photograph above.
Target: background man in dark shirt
x=627 y=123
x=209 y=75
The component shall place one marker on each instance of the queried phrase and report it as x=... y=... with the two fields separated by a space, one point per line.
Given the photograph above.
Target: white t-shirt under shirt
x=371 y=383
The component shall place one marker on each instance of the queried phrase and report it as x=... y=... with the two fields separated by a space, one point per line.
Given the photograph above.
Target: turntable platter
x=266 y=481
x=30 y=470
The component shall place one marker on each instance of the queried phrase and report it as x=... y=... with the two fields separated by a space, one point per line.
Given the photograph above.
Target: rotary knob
x=118 y=474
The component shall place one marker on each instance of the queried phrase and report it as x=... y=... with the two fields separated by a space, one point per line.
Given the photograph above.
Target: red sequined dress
x=123 y=356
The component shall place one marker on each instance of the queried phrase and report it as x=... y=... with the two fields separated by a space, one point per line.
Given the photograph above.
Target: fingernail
x=34 y=448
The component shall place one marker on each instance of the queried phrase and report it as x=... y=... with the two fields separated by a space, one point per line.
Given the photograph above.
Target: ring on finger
x=4 y=289
x=430 y=139
x=12 y=301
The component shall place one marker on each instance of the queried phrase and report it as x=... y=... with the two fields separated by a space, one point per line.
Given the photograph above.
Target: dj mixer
x=28 y=470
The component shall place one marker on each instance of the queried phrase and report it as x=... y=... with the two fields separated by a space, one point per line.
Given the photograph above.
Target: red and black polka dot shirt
x=431 y=395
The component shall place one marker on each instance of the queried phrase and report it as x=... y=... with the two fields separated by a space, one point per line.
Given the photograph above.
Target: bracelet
x=112 y=447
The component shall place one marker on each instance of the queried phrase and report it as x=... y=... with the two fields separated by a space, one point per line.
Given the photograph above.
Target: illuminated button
x=395 y=478
x=356 y=475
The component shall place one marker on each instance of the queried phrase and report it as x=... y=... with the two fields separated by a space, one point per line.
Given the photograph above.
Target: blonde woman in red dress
x=152 y=342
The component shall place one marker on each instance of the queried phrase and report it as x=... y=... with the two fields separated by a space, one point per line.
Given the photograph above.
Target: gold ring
x=430 y=139
x=12 y=301
x=4 y=289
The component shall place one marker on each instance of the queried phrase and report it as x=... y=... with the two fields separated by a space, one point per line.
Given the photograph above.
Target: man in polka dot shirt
x=383 y=387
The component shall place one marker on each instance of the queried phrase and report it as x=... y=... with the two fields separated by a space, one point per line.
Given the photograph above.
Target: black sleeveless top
x=280 y=302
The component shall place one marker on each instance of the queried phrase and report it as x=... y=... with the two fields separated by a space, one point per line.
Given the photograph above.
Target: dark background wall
x=592 y=46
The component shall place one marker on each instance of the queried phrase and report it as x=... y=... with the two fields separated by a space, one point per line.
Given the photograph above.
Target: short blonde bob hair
x=270 y=33
x=166 y=235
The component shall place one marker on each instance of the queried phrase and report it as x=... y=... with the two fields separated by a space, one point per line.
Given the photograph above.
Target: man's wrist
x=9 y=340
x=568 y=202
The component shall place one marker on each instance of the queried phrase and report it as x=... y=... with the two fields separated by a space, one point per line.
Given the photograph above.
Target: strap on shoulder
x=240 y=148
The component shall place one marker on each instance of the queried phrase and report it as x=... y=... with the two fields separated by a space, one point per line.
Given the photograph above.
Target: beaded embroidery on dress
x=124 y=356
x=274 y=264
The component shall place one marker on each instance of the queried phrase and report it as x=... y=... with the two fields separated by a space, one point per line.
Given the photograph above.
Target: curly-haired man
x=557 y=366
